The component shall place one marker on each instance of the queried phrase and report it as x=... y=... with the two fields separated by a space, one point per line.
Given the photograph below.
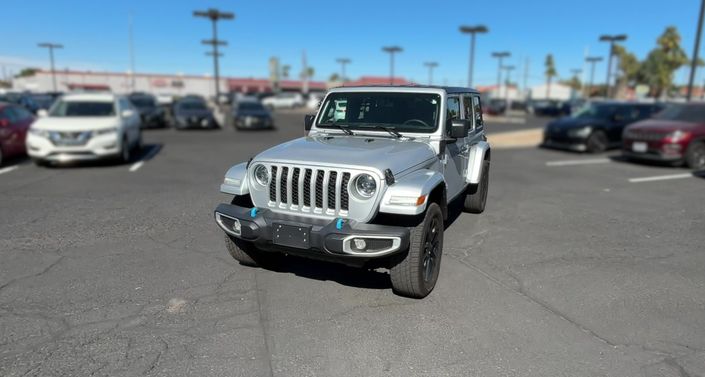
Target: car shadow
x=329 y=271
x=699 y=174
x=619 y=158
x=146 y=153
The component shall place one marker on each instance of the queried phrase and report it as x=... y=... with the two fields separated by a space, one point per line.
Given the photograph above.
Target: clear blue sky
x=167 y=37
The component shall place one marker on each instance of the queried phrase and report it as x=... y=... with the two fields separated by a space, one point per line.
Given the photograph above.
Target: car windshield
x=142 y=101
x=595 y=111
x=43 y=101
x=402 y=112
x=192 y=105
x=684 y=113
x=82 y=109
x=250 y=106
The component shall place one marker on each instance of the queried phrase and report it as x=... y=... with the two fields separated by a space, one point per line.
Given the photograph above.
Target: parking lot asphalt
x=578 y=267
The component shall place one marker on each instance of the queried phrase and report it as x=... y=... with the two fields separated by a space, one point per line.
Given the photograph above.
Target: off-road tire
x=695 y=155
x=476 y=197
x=249 y=255
x=407 y=270
x=597 y=142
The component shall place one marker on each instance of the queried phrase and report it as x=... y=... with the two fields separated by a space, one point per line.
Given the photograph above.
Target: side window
x=477 y=110
x=10 y=113
x=22 y=114
x=453 y=108
x=468 y=111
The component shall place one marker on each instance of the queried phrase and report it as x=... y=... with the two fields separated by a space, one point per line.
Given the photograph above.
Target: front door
x=455 y=154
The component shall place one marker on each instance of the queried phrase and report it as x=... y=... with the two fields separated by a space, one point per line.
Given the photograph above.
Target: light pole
x=509 y=69
x=611 y=39
x=431 y=66
x=696 y=52
x=51 y=47
x=592 y=60
x=472 y=30
x=215 y=15
x=500 y=55
x=343 y=62
x=391 y=50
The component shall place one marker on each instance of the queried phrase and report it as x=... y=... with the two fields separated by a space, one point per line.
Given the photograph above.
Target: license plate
x=297 y=236
x=639 y=147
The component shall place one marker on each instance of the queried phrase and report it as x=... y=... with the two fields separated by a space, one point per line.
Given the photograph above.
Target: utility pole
x=592 y=60
x=431 y=66
x=51 y=47
x=500 y=55
x=391 y=50
x=132 y=55
x=343 y=62
x=576 y=72
x=526 y=78
x=472 y=30
x=696 y=52
x=509 y=69
x=611 y=39
x=215 y=15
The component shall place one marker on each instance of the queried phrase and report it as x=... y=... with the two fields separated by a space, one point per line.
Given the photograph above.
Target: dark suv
x=597 y=126
x=675 y=135
x=151 y=114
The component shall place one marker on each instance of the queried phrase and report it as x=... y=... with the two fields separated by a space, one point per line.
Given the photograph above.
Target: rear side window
x=453 y=108
x=477 y=110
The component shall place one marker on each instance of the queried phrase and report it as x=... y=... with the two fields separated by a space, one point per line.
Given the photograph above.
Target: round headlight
x=261 y=175
x=365 y=185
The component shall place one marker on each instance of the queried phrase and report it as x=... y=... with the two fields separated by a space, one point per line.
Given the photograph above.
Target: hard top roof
x=447 y=89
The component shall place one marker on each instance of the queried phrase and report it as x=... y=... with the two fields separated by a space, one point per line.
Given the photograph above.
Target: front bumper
x=96 y=148
x=655 y=151
x=317 y=238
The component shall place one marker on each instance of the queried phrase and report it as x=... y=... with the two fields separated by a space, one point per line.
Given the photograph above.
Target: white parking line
x=579 y=162
x=661 y=177
x=8 y=169
x=146 y=157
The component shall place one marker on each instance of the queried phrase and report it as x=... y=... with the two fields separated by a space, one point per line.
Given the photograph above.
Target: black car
x=252 y=115
x=192 y=112
x=550 y=108
x=151 y=114
x=597 y=126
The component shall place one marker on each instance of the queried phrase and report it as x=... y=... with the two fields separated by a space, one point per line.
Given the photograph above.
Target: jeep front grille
x=309 y=190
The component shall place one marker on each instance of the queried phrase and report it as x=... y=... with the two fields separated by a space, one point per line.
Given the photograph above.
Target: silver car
x=370 y=187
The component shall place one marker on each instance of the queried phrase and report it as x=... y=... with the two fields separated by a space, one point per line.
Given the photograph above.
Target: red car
x=676 y=134
x=14 y=123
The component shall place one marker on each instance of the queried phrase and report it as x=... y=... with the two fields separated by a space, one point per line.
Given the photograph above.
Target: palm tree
x=550 y=73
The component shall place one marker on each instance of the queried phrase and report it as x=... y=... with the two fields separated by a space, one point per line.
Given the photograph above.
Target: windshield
x=250 y=106
x=142 y=101
x=684 y=113
x=402 y=112
x=192 y=105
x=43 y=101
x=82 y=109
x=595 y=111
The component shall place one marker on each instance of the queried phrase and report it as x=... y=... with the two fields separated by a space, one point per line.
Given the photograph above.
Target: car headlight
x=261 y=174
x=40 y=133
x=580 y=132
x=365 y=185
x=105 y=131
x=677 y=136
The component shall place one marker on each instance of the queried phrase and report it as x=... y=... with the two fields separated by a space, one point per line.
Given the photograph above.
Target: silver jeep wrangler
x=370 y=185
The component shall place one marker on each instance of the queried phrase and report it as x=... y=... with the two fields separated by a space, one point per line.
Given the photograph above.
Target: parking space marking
x=137 y=165
x=661 y=177
x=579 y=162
x=8 y=169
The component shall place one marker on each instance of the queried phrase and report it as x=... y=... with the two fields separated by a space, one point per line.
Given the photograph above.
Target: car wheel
x=414 y=273
x=476 y=197
x=695 y=156
x=596 y=142
x=40 y=162
x=247 y=254
x=125 y=154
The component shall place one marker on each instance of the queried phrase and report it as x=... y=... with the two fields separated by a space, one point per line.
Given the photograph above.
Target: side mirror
x=42 y=113
x=127 y=113
x=458 y=129
x=308 y=121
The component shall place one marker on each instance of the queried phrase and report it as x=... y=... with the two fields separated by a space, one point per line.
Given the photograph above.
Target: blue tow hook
x=253 y=212
x=339 y=224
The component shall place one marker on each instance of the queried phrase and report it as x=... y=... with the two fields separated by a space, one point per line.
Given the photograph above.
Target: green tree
x=574 y=83
x=550 y=73
x=659 y=66
x=334 y=77
x=310 y=72
x=27 y=72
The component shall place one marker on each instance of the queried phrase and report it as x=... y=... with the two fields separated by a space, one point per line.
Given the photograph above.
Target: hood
x=74 y=123
x=253 y=113
x=193 y=113
x=664 y=126
x=568 y=123
x=354 y=151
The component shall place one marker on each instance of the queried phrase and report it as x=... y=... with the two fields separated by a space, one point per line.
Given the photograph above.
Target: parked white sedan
x=286 y=100
x=88 y=126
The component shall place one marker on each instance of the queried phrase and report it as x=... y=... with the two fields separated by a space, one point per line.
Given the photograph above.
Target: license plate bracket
x=298 y=236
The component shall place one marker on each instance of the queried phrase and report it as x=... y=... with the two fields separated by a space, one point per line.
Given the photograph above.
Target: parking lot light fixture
x=472 y=30
x=343 y=62
x=431 y=66
x=592 y=60
x=611 y=39
x=391 y=50
x=500 y=55
x=696 y=53
x=51 y=47
x=509 y=69
x=215 y=15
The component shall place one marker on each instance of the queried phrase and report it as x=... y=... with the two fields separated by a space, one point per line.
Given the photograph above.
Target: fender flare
x=235 y=181
x=410 y=187
x=476 y=157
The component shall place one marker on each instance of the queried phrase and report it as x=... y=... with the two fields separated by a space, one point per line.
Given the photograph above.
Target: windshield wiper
x=341 y=127
x=390 y=130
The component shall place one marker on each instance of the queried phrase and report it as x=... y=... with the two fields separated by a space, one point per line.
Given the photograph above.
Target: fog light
x=237 y=228
x=360 y=244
